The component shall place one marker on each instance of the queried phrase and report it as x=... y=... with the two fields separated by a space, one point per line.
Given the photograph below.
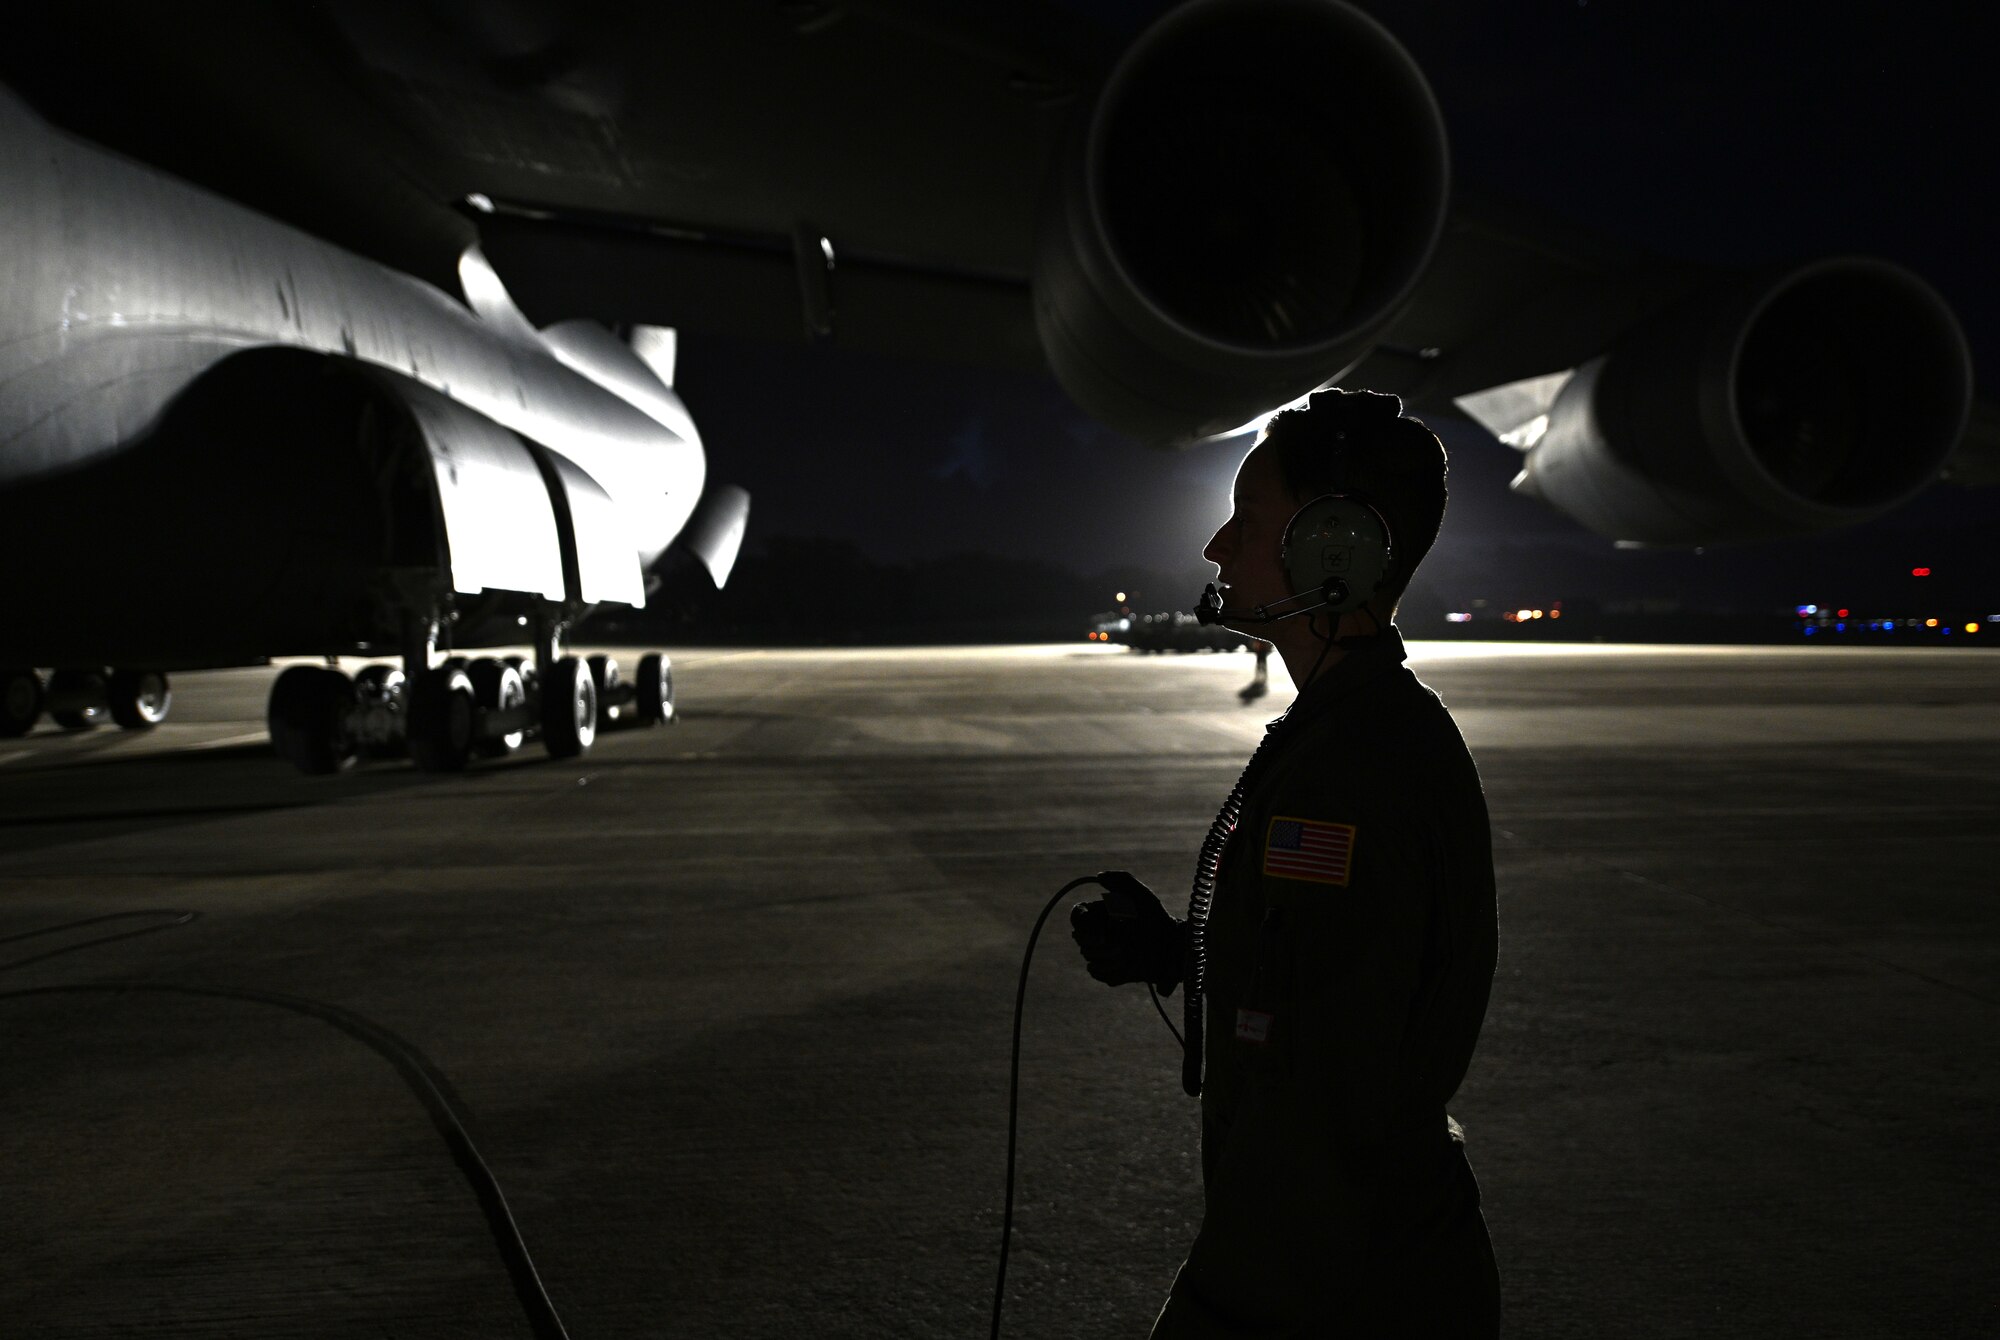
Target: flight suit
x=1350 y=951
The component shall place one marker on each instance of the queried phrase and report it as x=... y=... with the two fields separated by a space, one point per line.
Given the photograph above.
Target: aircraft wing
x=1189 y=214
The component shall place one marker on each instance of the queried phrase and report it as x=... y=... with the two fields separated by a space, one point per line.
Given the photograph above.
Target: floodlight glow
x=1258 y=424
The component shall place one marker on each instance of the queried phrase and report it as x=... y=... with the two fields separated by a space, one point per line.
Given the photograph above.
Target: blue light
x=1810 y=630
x=1808 y=609
x=1840 y=627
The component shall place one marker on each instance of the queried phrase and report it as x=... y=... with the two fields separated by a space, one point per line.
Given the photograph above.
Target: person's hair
x=1361 y=442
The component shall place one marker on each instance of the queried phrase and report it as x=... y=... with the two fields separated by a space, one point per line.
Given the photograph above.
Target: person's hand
x=1126 y=936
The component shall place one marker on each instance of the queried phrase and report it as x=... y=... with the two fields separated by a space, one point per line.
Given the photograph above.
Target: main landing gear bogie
x=80 y=698
x=461 y=709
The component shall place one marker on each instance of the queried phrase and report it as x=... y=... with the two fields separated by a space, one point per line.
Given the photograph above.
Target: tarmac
x=725 y=1005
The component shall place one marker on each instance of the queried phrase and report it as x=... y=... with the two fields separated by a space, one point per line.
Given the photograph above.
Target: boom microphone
x=1210 y=609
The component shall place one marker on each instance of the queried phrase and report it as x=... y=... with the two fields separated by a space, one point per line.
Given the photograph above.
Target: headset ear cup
x=1338 y=537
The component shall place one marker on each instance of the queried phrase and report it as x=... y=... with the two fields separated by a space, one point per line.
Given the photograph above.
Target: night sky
x=1734 y=134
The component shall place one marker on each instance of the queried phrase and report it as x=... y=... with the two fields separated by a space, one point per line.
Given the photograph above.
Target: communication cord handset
x=1122 y=903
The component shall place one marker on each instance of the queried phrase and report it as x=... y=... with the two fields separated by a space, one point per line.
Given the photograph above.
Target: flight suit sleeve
x=1292 y=1190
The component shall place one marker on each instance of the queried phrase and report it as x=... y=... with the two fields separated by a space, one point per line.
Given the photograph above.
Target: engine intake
x=1251 y=195
x=1815 y=400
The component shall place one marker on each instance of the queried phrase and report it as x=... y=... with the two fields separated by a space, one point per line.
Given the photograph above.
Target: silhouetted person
x=1347 y=955
x=1260 y=683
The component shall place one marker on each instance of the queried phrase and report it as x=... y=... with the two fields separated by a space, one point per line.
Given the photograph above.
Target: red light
x=1841 y=615
x=1920 y=572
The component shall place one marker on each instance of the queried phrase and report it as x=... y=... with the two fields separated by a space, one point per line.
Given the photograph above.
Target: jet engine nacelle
x=1817 y=399
x=1251 y=195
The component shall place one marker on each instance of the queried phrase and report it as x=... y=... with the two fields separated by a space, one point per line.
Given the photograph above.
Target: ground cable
x=423 y=1079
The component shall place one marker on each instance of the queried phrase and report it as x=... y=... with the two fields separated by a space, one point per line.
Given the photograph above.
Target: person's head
x=1351 y=442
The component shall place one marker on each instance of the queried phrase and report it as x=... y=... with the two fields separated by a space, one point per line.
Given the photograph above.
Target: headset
x=1337 y=553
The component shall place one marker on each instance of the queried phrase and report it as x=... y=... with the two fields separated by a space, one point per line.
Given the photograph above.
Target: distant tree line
x=799 y=590
x=795 y=590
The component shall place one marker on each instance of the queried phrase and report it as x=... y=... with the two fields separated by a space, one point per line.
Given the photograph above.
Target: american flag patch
x=1308 y=849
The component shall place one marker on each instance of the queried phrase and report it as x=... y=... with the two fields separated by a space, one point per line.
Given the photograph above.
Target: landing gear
x=140 y=698
x=309 y=718
x=441 y=725
x=653 y=690
x=610 y=690
x=501 y=696
x=78 y=699
x=378 y=722
x=20 y=702
x=444 y=710
x=569 y=708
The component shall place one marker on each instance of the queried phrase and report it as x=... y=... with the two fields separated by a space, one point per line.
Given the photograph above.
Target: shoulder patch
x=1307 y=849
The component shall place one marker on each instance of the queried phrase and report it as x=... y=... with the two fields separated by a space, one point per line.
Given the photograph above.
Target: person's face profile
x=1246 y=547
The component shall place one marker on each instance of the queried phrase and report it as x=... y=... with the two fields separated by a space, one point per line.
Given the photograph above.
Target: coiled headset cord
x=418 y=1073
x=1208 y=865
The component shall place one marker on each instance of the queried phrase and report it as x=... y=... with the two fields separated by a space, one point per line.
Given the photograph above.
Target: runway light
x=1972 y=628
x=1555 y=614
x=1808 y=609
x=1121 y=597
x=1841 y=614
x=1930 y=623
x=1524 y=615
x=1460 y=617
x=480 y=201
x=1920 y=572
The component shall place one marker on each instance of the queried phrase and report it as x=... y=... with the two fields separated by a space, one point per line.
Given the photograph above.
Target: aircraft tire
x=604 y=673
x=380 y=680
x=497 y=686
x=569 y=708
x=21 y=701
x=307 y=717
x=441 y=719
x=70 y=682
x=140 y=699
x=382 y=689
x=654 y=685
